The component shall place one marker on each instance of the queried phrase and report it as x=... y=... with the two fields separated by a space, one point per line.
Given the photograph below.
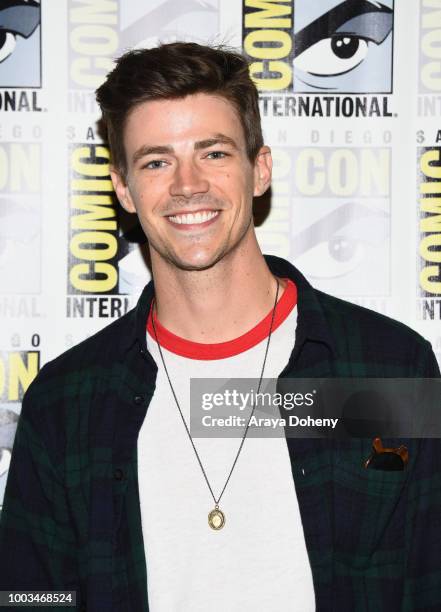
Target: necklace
x=216 y=517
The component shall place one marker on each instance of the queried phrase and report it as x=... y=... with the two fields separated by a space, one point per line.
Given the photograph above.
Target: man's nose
x=188 y=180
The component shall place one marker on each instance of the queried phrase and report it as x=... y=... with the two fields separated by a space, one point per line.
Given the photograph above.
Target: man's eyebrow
x=215 y=140
x=151 y=150
x=329 y=23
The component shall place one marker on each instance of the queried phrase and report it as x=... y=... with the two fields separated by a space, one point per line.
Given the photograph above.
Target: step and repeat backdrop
x=350 y=95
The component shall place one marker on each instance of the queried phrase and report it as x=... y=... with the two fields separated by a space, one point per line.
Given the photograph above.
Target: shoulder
x=354 y=316
x=351 y=325
x=88 y=359
x=74 y=392
x=372 y=336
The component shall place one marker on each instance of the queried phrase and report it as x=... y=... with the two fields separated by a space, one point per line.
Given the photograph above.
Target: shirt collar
x=311 y=321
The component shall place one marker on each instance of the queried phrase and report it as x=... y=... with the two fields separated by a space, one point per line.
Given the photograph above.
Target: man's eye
x=7 y=44
x=217 y=155
x=155 y=164
x=332 y=56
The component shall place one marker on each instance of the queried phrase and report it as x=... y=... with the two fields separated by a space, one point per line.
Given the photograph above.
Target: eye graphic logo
x=339 y=215
x=20 y=59
x=320 y=47
x=347 y=48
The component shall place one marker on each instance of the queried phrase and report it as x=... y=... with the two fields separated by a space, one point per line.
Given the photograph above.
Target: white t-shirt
x=258 y=560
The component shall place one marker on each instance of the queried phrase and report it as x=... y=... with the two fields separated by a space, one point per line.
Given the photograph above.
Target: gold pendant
x=216 y=519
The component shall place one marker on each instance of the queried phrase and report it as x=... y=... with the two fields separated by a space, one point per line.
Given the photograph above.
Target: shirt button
x=118 y=474
x=138 y=399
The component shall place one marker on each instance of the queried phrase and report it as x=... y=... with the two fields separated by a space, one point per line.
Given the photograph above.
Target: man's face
x=189 y=178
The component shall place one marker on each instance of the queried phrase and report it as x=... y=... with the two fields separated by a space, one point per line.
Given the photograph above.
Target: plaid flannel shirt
x=71 y=516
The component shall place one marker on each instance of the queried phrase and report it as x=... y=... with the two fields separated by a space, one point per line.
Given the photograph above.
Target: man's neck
x=217 y=304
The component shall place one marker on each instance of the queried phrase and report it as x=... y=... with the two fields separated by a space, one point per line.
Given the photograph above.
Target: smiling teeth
x=192 y=218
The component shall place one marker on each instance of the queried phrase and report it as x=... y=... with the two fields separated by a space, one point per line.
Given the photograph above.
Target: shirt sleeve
x=38 y=548
x=423 y=567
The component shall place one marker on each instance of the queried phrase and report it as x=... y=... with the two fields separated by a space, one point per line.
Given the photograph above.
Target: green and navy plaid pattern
x=71 y=516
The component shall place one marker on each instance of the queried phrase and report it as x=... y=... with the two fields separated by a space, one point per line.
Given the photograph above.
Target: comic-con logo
x=319 y=47
x=17 y=370
x=429 y=225
x=96 y=243
x=429 y=68
x=93 y=245
x=20 y=43
x=100 y=30
x=430 y=55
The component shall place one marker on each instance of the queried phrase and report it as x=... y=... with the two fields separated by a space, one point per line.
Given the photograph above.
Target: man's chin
x=194 y=264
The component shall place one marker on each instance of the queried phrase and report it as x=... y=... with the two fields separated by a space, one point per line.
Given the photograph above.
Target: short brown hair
x=173 y=71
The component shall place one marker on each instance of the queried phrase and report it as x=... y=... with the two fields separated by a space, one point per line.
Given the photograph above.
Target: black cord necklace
x=216 y=518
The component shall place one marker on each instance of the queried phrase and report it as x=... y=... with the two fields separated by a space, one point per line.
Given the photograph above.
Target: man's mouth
x=195 y=218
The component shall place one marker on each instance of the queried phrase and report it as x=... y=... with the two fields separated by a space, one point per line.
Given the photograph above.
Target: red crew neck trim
x=222 y=350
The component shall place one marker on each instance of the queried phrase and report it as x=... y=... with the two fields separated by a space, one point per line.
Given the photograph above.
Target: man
x=109 y=494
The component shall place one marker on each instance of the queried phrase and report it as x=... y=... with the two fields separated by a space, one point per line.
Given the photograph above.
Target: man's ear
x=262 y=171
x=122 y=190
